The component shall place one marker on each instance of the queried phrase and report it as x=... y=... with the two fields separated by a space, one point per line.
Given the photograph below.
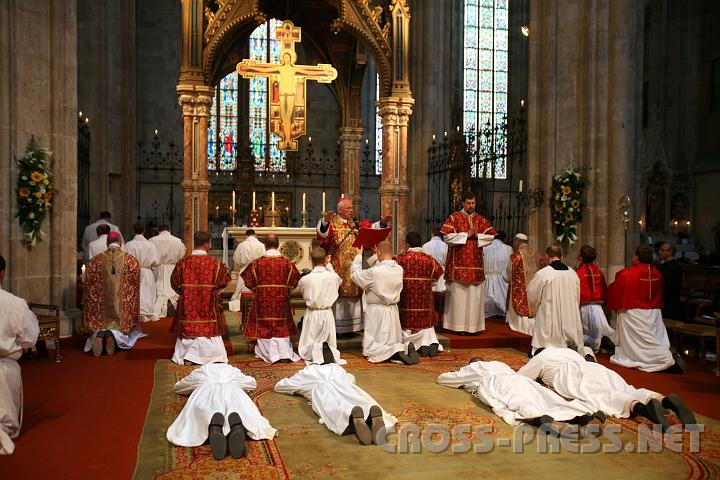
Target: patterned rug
x=454 y=434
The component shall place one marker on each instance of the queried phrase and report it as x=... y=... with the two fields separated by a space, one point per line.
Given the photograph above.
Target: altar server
x=96 y=247
x=147 y=254
x=248 y=250
x=593 y=291
x=171 y=250
x=495 y=260
x=438 y=249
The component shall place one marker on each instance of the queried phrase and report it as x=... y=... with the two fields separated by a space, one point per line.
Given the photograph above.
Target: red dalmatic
x=593 y=288
x=524 y=264
x=465 y=262
x=271 y=279
x=112 y=292
x=200 y=280
x=639 y=286
x=417 y=304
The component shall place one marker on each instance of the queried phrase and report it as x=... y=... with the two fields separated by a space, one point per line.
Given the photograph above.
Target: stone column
x=395 y=114
x=350 y=141
x=195 y=101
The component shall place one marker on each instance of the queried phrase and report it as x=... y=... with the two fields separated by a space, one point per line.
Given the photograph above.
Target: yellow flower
x=568 y=217
x=37 y=177
x=566 y=190
x=48 y=197
x=558 y=207
x=575 y=204
x=24 y=192
x=38 y=194
x=46 y=181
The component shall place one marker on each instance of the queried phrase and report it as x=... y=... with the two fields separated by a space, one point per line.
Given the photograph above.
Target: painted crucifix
x=287 y=86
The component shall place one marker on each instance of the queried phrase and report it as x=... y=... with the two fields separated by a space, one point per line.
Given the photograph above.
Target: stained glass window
x=378 y=130
x=485 y=83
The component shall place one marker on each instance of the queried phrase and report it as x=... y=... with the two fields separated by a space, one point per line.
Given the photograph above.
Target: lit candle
x=253 y=199
x=156 y=132
x=233 y=204
x=446 y=134
x=342 y=195
x=457 y=128
x=272 y=202
x=520 y=187
x=323 y=202
x=82 y=273
x=303 y=201
x=309 y=139
x=433 y=137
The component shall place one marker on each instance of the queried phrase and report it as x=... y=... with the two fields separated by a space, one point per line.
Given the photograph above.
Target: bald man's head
x=271 y=241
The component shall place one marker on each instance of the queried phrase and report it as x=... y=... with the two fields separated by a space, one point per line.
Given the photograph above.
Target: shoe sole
x=434 y=349
x=216 y=438
x=97 y=347
x=377 y=427
x=110 y=344
x=236 y=437
x=656 y=413
x=362 y=431
x=413 y=354
x=681 y=410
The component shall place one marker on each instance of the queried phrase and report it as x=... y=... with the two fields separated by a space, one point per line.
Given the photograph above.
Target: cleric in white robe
x=333 y=395
x=319 y=289
x=495 y=258
x=96 y=247
x=513 y=397
x=554 y=294
x=18 y=330
x=438 y=249
x=216 y=387
x=171 y=250
x=571 y=376
x=147 y=255
x=248 y=250
x=382 y=283
x=90 y=233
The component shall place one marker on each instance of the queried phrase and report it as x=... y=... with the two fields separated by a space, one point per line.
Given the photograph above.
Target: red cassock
x=417 y=304
x=465 y=262
x=639 y=286
x=593 y=288
x=271 y=279
x=112 y=292
x=199 y=280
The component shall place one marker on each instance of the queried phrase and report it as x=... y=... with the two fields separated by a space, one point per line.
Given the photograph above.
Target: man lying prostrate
x=515 y=398
x=342 y=406
x=218 y=411
x=571 y=376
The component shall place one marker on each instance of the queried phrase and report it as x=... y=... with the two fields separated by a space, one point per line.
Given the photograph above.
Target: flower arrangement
x=34 y=191
x=568 y=188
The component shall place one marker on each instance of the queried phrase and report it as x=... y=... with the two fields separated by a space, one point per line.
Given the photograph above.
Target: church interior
x=222 y=116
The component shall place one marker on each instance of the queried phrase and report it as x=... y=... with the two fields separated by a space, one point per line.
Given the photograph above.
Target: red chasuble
x=639 y=286
x=200 y=280
x=524 y=265
x=338 y=243
x=465 y=262
x=112 y=292
x=271 y=279
x=593 y=288
x=417 y=304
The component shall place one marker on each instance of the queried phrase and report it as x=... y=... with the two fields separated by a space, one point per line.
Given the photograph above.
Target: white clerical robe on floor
x=438 y=249
x=171 y=250
x=512 y=397
x=595 y=385
x=332 y=394
x=95 y=248
x=123 y=341
x=642 y=340
x=319 y=289
x=496 y=257
x=555 y=296
x=18 y=330
x=382 y=284
x=147 y=255
x=465 y=302
x=595 y=325
x=246 y=252
x=216 y=387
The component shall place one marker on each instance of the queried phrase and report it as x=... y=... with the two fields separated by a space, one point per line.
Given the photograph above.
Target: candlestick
x=520 y=187
x=253 y=199
x=323 y=203
x=272 y=202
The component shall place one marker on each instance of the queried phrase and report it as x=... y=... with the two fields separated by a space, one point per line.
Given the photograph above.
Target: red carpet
x=496 y=335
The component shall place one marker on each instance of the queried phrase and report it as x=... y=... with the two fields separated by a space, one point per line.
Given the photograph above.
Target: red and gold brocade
x=338 y=243
x=417 y=303
x=465 y=262
x=112 y=292
x=199 y=280
x=593 y=288
x=524 y=264
x=271 y=278
x=639 y=286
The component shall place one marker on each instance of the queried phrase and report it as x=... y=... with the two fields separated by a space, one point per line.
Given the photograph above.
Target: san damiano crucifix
x=287 y=86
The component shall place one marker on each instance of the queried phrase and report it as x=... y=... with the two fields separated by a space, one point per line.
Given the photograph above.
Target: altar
x=295 y=243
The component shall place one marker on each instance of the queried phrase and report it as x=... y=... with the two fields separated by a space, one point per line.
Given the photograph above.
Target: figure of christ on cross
x=288 y=103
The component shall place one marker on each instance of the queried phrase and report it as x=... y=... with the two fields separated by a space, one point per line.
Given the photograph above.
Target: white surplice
x=382 y=284
x=595 y=385
x=171 y=250
x=147 y=255
x=90 y=234
x=496 y=257
x=18 y=330
x=555 y=296
x=332 y=394
x=512 y=397
x=595 y=325
x=465 y=302
x=319 y=289
x=642 y=340
x=216 y=387
x=438 y=249
x=95 y=248
x=246 y=252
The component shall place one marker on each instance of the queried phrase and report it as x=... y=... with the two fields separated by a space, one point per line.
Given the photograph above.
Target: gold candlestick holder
x=304 y=218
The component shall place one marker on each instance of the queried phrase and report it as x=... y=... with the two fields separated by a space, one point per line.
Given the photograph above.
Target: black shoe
x=590 y=358
x=544 y=423
x=218 y=441
x=679 y=363
x=284 y=360
x=424 y=351
x=582 y=420
x=236 y=437
x=328 y=356
x=413 y=354
x=607 y=345
x=675 y=403
x=601 y=416
x=434 y=349
x=402 y=357
x=377 y=426
x=362 y=431
x=656 y=414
